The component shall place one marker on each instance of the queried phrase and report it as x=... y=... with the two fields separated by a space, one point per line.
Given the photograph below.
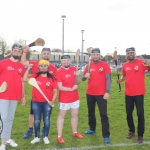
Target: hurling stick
x=33 y=82
x=89 y=52
x=1 y=125
x=77 y=63
x=3 y=87
x=37 y=42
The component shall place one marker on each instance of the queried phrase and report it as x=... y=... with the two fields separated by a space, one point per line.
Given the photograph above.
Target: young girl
x=48 y=85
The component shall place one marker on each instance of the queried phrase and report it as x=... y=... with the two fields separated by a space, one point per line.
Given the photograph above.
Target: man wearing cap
x=52 y=69
x=133 y=72
x=99 y=82
x=11 y=71
x=68 y=97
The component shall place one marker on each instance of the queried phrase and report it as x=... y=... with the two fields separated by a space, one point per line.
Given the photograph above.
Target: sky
x=107 y=23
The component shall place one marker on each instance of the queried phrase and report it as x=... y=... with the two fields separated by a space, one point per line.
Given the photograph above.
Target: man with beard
x=47 y=83
x=133 y=72
x=11 y=71
x=68 y=97
x=52 y=69
x=99 y=82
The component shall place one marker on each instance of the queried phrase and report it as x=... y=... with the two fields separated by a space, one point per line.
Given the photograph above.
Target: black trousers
x=138 y=101
x=102 y=106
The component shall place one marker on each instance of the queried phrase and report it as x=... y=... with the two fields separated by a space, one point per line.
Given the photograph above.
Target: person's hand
x=145 y=63
x=51 y=103
x=75 y=87
x=30 y=66
x=23 y=101
x=106 y=96
x=87 y=75
x=119 y=81
x=25 y=48
x=77 y=73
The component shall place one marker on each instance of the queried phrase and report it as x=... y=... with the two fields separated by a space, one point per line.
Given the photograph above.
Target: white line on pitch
x=99 y=146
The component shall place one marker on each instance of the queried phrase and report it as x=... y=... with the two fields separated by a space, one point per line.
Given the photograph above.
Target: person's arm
x=108 y=82
x=121 y=79
x=25 y=77
x=23 y=94
x=23 y=57
x=63 y=88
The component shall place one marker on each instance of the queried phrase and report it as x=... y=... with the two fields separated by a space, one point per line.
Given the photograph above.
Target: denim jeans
x=40 y=108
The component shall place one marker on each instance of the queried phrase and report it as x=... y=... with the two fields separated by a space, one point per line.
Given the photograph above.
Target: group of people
x=65 y=80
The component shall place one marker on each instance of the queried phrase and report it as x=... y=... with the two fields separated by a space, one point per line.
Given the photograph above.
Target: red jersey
x=97 y=81
x=46 y=85
x=52 y=69
x=67 y=77
x=12 y=73
x=135 y=76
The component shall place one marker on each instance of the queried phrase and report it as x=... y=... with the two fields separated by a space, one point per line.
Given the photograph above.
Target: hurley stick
x=77 y=63
x=3 y=87
x=89 y=52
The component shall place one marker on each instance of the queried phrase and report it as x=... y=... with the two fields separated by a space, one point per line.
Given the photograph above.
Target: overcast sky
x=107 y=23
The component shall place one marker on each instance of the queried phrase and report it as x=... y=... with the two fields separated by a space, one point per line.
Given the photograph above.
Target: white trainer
x=46 y=140
x=3 y=147
x=36 y=140
x=11 y=143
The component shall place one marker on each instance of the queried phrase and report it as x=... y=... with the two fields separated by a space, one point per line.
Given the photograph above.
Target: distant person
x=68 y=97
x=11 y=71
x=47 y=83
x=99 y=82
x=52 y=69
x=133 y=73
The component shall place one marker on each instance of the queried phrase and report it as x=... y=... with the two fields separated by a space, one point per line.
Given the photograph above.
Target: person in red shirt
x=11 y=71
x=52 y=69
x=133 y=72
x=68 y=96
x=47 y=83
x=99 y=82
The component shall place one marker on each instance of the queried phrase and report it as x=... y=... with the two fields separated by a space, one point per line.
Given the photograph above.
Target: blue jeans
x=38 y=109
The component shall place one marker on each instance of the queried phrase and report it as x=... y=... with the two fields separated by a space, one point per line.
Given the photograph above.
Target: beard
x=16 y=57
x=67 y=66
x=131 y=59
x=96 y=61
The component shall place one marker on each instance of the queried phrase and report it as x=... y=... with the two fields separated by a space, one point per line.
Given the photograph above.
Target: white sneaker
x=36 y=140
x=11 y=143
x=3 y=147
x=46 y=140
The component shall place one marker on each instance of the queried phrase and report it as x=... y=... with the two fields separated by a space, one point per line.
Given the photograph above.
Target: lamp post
x=63 y=18
x=82 y=31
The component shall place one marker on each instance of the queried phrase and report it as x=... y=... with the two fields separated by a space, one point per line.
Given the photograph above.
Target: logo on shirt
x=136 y=68
x=127 y=69
x=19 y=70
x=51 y=72
x=10 y=68
x=92 y=69
x=39 y=83
x=47 y=84
x=68 y=75
x=101 y=70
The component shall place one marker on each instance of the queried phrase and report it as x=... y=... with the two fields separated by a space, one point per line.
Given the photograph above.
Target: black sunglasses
x=46 y=49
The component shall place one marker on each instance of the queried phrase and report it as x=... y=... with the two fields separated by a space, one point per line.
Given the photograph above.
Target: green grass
x=116 y=114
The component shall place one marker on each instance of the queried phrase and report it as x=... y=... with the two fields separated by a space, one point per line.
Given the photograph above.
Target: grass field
x=117 y=118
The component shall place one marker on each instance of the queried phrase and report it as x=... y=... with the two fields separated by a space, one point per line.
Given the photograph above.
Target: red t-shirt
x=135 y=76
x=52 y=69
x=12 y=73
x=67 y=77
x=97 y=81
x=46 y=85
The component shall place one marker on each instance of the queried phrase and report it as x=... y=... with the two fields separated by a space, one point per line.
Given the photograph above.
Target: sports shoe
x=28 y=133
x=3 y=147
x=36 y=140
x=79 y=136
x=106 y=140
x=11 y=143
x=46 y=141
x=140 y=139
x=89 y=131
x=60 y=140
x=130 y=135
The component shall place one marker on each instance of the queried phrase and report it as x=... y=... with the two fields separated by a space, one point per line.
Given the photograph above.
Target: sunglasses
x=17 y=46
x=46 y=49
x=43 y=65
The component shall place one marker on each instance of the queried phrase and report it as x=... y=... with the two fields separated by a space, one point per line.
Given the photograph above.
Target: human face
x=130 y=56
x=16 y=53
x=65 y=63
x=95 y=57
x=46 y=55
x=43 y=68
